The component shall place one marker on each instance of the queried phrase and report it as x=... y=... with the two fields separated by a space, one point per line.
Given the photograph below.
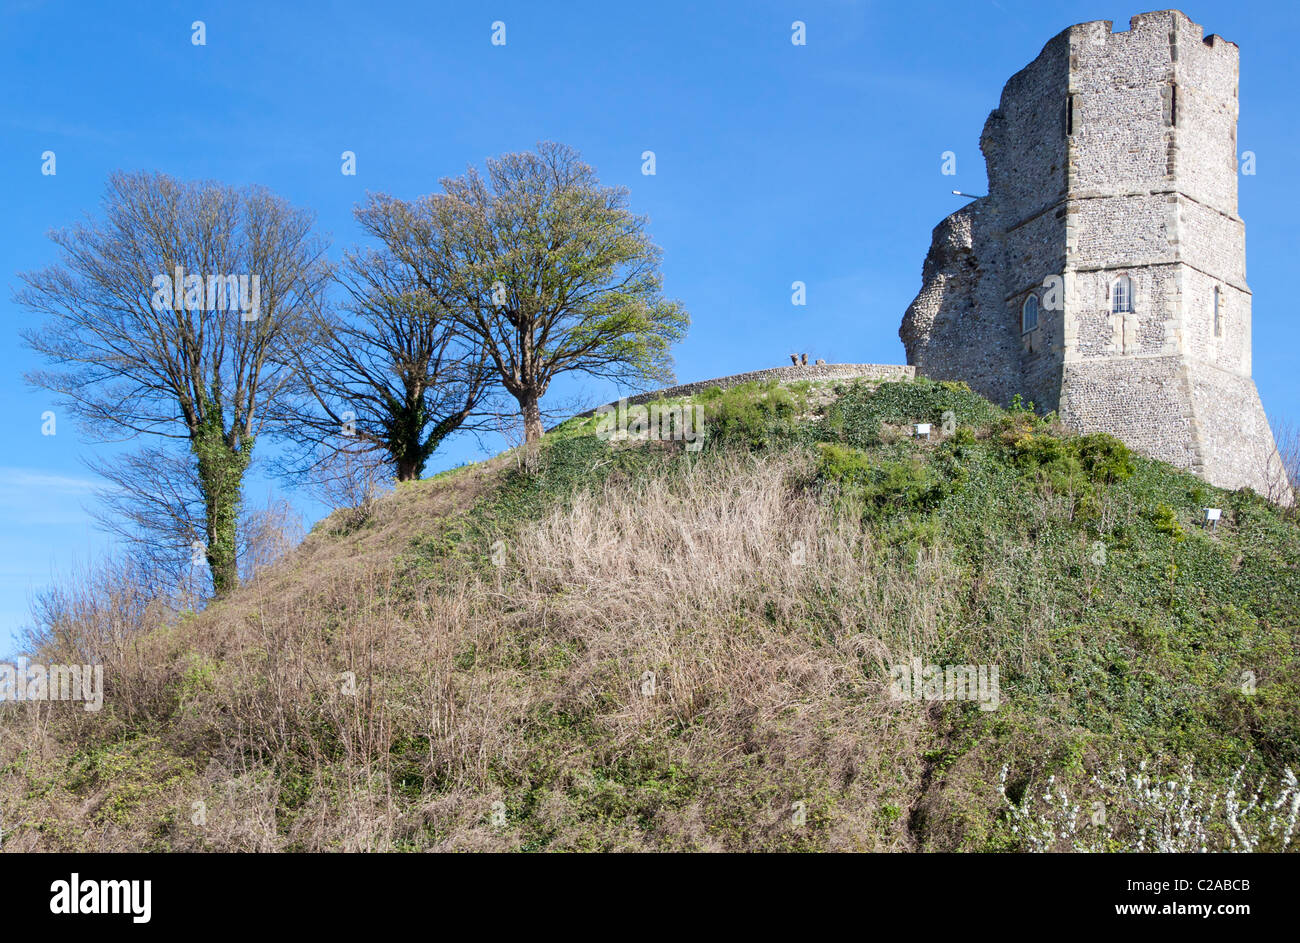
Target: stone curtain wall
x=790 y=374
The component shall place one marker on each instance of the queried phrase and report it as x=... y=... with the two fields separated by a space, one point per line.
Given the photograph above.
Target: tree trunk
x=221 y=558
x=221 y=476
x=408 y=469
x=528 y=403
x=221 y=508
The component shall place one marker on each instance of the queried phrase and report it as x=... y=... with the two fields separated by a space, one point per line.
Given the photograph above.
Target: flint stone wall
x=1112 y=154
x=790 y=374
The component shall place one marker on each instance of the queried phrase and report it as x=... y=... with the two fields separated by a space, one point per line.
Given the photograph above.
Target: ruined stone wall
x=1110 y=155
x=957 y=327
x=1024 y=146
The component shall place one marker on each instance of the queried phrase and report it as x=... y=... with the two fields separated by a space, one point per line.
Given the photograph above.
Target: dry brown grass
x=690 y=655
x=524 y=686
x=361 y=694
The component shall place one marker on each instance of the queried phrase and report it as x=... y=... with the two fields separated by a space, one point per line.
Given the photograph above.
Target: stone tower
x=1104 y=275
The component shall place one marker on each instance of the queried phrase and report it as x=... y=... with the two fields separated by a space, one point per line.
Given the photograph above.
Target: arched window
x=1218 y=313
x=1029 y=314
x=1121 y=295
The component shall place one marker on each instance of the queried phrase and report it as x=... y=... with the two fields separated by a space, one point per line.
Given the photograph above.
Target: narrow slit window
x=1121 y=295
x=1218 y=313
x=1029 y=314
x=1173 y=104
x=1069 y=115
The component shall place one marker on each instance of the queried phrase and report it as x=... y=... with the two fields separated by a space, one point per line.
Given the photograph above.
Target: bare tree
x=349 y=482
x=93 y=610
x=1282 y=470
x=153 y=502
x=545 y=268
x=393 y=377
x=266 y=535
x=169 y=317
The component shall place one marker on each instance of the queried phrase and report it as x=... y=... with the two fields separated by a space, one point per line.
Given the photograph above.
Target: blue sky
x=775 y=162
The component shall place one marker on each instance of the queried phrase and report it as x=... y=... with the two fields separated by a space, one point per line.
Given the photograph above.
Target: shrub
x=885 y=486
x=1123 y=811
x=844 y=465
x=1104 y=458
x=856 y=418
x=1166 y=522
x=1072 y=464
x=753 y=414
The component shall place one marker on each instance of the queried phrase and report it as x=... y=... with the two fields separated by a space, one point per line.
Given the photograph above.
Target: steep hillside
x=636 y=646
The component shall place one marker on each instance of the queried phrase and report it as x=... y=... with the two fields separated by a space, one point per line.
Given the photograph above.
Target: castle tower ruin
x=1104 y=275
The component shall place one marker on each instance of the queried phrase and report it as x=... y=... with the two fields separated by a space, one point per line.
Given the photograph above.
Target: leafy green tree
x=543 y=267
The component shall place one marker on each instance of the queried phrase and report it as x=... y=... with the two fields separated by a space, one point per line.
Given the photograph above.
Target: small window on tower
x=1029 y=314
x=1069 y=115
x=1121 y=295
x=1218 y=313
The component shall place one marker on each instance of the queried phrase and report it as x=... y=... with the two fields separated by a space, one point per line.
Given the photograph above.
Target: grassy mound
x=631 y=645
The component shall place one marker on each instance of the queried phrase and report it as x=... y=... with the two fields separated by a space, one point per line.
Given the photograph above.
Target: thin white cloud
x=32 y=498
x=32 y=480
